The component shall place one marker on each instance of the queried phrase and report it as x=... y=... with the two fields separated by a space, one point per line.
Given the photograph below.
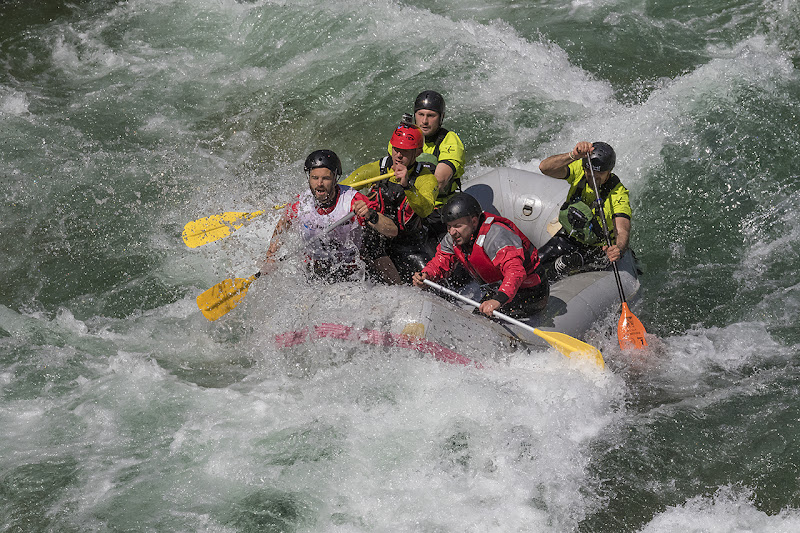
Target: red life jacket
x=480 y=265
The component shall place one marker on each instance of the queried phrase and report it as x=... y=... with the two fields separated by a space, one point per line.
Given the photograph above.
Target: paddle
x=630 y=331
x=210 y=229
x=359 y=184
x=225 y=295
x=569 y=346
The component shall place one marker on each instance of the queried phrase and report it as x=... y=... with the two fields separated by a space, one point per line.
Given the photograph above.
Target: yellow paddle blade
x=572 y=347
x=630 y=330
x=205 y=230
x=223 y=296
x=414 y=329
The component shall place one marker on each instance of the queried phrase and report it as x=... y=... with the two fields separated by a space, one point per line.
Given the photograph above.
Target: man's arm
x=275 y=244
x=440 y=266
x=444 y=173
x=509 y=260
x=505 y=249
x=378 y=221
x=555 y=166
x=622 y=230
x=422 y=194
x=451 y=161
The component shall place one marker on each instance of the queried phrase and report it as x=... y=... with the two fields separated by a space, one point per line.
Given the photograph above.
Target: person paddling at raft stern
x=495 y=253
x=336 y=256
x=580 y=245
x=407 y=198
x=442 y=148
x=443 y=145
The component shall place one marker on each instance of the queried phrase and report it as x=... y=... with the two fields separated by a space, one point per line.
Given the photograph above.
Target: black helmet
x=461 y=205
x=323 y=159
x=430 y=100
x=602 y=157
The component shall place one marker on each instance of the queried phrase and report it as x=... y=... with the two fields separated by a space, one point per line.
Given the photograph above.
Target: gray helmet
x=461 y=205
x=430 y=100
x=602 y=157
x=323 y=159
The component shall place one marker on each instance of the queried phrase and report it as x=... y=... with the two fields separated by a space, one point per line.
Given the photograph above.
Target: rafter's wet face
x=428 y=121
x=461 y=229
x=322 y=183
x=600 y=175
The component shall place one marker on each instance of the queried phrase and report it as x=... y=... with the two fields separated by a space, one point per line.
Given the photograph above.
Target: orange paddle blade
x=223 y=296
x=630 y=331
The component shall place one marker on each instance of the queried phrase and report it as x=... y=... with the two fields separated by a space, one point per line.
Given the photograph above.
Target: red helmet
x=407 y=136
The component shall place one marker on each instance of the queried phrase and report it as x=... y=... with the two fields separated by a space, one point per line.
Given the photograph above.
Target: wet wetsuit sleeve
x=619 y=202
x=422 y=195
x=443 y=262
x=575 y=172
x=292 y=210
x=451 y=152
x=370 y=203
x=505 y=250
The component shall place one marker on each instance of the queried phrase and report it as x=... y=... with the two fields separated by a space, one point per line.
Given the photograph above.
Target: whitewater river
x=123 y=409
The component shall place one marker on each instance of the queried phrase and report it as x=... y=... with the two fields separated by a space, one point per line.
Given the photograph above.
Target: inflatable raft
x=425 y=321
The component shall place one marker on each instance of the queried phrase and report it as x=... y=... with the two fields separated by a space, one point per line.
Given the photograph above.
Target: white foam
x=13 y=102
x=638 y=133
x=729 y=510
x=170 y=413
